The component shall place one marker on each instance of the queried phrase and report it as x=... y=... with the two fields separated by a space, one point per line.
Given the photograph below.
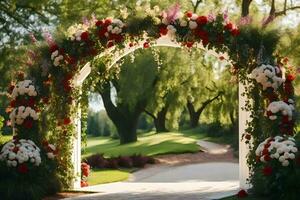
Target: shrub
x=125 y=161
x=151 y=160
x=97 y=161
x=112 y=163
x=139 y=161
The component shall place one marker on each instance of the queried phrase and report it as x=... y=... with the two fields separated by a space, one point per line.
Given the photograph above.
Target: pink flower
x=172 y=13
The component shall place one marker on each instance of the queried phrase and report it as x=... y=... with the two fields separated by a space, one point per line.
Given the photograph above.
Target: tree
x=132 y=95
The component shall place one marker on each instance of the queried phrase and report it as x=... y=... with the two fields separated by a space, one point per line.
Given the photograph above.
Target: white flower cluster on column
x=282 y=149
x=267 y=76
x=286 y=109
x=24 y=87
x=116 y=27
x=20 y=151
x=56 y=58
x=19 y=114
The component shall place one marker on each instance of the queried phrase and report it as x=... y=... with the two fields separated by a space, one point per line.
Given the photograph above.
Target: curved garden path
x=210 y=174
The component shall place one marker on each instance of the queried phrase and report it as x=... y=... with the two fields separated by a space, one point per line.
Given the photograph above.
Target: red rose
x=83 y=183
x=53 y=48
x=242 y=194
x=13 y=103
x=267 y=171
x=146 y=45
x=101 y=33
x=265 y=152
x=235 y=32
x=228 y=26
x=31 y=102
x=28 y=123
x=248 y=137
x=22 y=168
x=189 y=14
x=189 y=44
x=107 y=22
x=16 y=149
x=45 y=143
x=288 y=88
x=84 y=36
x=67 y=121
x=163 y=30
x=269 y=113
x=290 y=77
x=267 y=158
x=99 y=23
x=285 y=119
x=110 y=44
x=45 y=100
x=201 y=20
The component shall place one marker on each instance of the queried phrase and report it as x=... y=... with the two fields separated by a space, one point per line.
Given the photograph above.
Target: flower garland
x=23 y=115
x=283 y=149
x=21 y=154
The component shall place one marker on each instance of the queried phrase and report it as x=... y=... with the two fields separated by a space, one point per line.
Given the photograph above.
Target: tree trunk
x=160 y=120
x=126 y=124
x=246 y=7
x=127 y=130
x=195 y=114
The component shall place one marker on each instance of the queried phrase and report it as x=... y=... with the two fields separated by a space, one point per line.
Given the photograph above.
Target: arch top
x=164 y=41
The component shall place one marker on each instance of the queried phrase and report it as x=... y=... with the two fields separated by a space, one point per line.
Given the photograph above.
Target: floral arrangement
x=25 y=87
x=282 y=149
x=21 y=154
x=269 y=76
x=23 y=116
x=85 y=172
x=50 y=149
x=281 y=108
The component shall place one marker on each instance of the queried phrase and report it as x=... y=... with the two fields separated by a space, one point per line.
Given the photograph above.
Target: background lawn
x=148 y=144
x=107 y=176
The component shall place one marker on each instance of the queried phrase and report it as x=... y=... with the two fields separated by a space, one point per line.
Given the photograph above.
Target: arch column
x=244 y=116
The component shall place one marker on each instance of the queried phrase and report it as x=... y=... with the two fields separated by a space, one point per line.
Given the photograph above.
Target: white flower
x=54 y=54
x=282 y=107
x=279 y=148
x=194 y=17
x=193 y=25
x=22 y=88
x=27 y=152
x=285 y=163
x=19 y=114
x=267 y=76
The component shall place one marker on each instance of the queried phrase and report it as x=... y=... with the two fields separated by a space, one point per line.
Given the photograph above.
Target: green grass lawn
x=148 y=144
x=107 y=176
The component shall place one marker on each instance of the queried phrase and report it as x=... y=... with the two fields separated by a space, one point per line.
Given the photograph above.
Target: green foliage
x=1 y=124
x=99 y=124
x=29 y=186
